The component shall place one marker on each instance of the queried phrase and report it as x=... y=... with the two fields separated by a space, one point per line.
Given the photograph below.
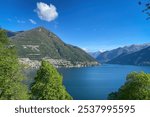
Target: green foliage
x=48 y=84
x=11 y=86
x=3 y=37
x=146 y=9
x=137 y=87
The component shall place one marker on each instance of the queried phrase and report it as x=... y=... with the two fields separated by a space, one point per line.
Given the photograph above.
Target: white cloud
x=32 y=21
x=9 y=19
x=21 y=21
x=55 y=25
x=85 y=49
x=46 y=12
x=102 y=50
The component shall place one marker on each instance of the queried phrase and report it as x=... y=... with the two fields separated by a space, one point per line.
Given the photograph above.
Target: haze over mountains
x=94 y=54
x=109 y=55
x=40 y=43
x=141 y=57
x=128 y=55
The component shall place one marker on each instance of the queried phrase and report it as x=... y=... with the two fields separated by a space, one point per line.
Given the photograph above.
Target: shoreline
x=57 y=63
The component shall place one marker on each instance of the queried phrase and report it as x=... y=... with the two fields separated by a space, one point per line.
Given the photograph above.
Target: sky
x=90 y=24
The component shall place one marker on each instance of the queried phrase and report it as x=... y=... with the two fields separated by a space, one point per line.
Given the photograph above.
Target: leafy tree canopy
x=137 y=87
x=146 y=9
x=11 y=86
x=3 y=37
x=48 y=84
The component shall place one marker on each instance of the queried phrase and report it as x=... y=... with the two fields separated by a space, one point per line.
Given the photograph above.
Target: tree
x=137 y=87
x=3 y=37
x=48 y=84
x=146 y=8
x=11 y=77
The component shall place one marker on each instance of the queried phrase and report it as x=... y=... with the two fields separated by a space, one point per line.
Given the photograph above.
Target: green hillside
x=40 y=43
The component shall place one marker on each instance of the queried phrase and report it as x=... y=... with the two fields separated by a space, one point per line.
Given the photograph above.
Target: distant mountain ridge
x=112 y=54
x=40 y=43
x=141 y=57
x=11 y=33
x=94 y=54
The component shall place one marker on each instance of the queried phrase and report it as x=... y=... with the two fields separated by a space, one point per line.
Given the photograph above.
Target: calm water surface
x=95 y=83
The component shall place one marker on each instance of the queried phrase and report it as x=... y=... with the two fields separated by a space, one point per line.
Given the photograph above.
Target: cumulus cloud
x=46 y=12
x=32 y=21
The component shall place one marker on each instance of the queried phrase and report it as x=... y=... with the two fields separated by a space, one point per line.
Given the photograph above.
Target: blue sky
x=90 y=24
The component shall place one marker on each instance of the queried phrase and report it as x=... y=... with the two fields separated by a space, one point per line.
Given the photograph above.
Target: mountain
x=10 y=33
x=94 y=54
x=109 y=55
x=40 y=43
x=141 y=57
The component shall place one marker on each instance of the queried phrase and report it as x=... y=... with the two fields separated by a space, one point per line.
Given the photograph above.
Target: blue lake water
x=95 y=83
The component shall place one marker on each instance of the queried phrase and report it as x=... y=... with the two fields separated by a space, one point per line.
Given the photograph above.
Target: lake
x=95 y=83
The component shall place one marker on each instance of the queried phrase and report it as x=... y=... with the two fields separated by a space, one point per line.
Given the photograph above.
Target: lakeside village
x=58 y=63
